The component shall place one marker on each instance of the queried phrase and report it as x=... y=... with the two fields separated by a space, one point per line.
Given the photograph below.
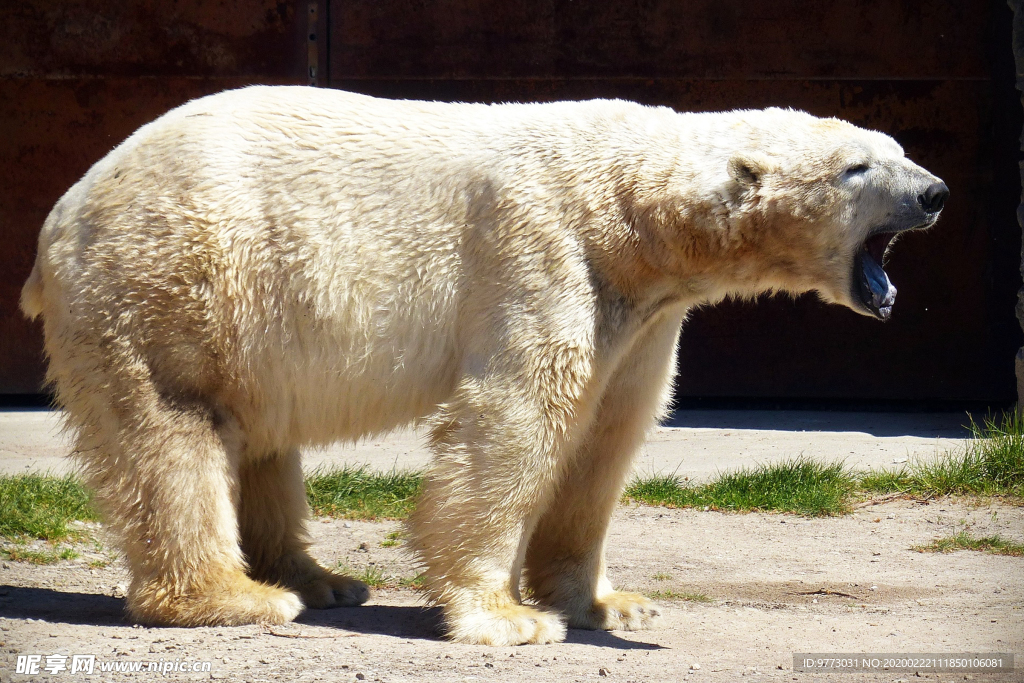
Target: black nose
x=934 y=197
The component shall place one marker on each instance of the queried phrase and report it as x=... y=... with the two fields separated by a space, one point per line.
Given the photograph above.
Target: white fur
x=273 y=267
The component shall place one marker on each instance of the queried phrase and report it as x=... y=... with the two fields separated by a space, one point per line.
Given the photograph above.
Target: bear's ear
x=748 y=168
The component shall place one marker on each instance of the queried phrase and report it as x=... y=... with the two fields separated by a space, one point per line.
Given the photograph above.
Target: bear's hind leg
x=272 y=517
x=565 y=565
x=167 y=479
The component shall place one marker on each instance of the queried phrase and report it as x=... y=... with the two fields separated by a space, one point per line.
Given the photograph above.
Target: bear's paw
x=234 y=600
x=511 y=624
x=617 y=611
x=333 y=590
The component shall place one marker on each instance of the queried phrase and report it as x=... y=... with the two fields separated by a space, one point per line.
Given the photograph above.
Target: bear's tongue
x=876 y=290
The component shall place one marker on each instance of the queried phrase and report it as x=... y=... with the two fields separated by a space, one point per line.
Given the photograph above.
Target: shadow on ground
x=61 y=607
x=409 y=622
x=425 y=623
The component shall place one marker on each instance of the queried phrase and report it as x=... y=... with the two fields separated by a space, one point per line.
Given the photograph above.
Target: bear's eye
x=856 y=169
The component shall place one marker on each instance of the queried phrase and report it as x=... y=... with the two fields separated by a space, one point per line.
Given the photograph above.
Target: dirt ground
x=774 y=585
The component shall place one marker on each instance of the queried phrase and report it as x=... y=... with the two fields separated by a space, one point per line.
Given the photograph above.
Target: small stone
x=602 y=672
x=348 y=525
x=695 y=666
x=360 y=677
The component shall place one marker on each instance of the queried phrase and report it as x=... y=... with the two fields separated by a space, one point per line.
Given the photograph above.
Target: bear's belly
x=314 y=389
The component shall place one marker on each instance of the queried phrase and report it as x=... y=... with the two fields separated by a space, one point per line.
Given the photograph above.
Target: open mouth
x=876 y=292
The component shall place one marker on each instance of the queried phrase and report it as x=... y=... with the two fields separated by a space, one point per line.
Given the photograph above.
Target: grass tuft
x=678 y=595
x=358 y=493
x=43 y=507
x=416 y=583
x=990 y=463
x=17 y=553
x=391 y=540
x=799 y=486
x=964 y=541
x=375 y=577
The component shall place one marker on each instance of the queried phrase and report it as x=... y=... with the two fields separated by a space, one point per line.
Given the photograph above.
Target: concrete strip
x=695 y=443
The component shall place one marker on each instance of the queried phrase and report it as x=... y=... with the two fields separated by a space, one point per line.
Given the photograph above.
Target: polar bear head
x=817 y=203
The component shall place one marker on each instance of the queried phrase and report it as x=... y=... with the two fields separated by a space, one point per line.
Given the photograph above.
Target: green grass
x=799 y=486
x=40 y=506
x=964 y=541
x=358 y=493
x=52 y=555
x=678 y=595
x=416 y=583
x=990 y=463
x=391 y=540
x=375 y=577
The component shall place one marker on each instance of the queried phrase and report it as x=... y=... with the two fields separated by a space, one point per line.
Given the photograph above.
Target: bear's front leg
x=481 y=498
x=565 y=565
x=500 y=446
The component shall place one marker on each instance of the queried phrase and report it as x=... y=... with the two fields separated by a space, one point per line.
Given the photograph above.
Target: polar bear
x=278 y=267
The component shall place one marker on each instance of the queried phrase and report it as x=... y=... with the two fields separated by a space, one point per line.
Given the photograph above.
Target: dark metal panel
x=660 y=38
x=78 y=76
x=196 y=38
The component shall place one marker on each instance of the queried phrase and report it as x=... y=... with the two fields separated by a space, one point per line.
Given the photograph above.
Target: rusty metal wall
x=937 y=76
x=79 y=76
